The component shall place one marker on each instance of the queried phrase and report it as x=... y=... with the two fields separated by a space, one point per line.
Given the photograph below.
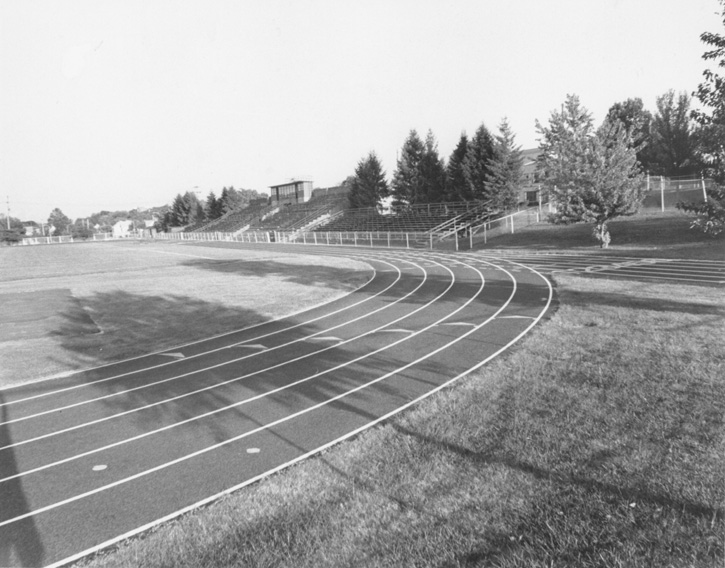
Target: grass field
x=648 y=234
x=598 y=442
x=69 y=307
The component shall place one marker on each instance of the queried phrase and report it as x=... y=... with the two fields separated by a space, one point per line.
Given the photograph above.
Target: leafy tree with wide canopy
x=674 y=138
x=633 y=116
x=59 y=221
x=710 y=214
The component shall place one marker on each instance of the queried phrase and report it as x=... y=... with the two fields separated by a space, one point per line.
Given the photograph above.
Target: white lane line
x=216 y=385
x=174 y=355
x=460 y=323
x=516 y=317
x=247 y=346
x=254 y=398
x=208 y=339
x=153 y=367
x=324 y=338
x=272 y=424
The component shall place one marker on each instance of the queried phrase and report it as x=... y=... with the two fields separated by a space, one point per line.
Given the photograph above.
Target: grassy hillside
x=663 y=235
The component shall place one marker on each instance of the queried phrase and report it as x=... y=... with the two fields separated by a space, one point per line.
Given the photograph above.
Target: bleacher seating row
x=406 y=219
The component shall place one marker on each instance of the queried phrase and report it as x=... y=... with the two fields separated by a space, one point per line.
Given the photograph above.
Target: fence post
x=328 y=238
x=315 y=235
x=704 y=193
x=455 y=234
x=388 y=239
x=431 y=239
x=407 y=242
x=354 y=238
x=470 y=238
x=485 y=239
x=662 y=193
x=304 y=238
x=371 y=239
x=512 y=224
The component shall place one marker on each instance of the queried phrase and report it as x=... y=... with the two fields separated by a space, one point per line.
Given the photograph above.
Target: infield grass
x=598 y=442
x=76 y=306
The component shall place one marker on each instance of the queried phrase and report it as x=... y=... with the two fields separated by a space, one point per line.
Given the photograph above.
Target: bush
x=710 y=214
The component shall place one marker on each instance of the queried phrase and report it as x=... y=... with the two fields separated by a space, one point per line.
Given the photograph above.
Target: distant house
x=530 y=180
x=294 y=191
x=122 y=229
x=31 y=228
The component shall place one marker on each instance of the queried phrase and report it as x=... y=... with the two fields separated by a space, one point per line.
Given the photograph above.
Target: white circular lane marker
x=253 y=450
x=99 y=467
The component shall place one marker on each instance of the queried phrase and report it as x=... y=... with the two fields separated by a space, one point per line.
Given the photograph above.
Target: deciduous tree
x=638 y=120
x=711 y=94
x=674 y=140
x=59 y=221
x=592 y=176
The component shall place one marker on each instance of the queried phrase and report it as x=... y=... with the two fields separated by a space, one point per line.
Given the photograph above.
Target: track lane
x=366 y=403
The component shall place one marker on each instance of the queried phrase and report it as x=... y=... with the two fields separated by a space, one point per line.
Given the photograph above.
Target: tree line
x=486 y=167
x=187 y=209
x=592 y=174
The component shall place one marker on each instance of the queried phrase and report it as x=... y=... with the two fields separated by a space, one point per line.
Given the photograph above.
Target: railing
x=62 y=239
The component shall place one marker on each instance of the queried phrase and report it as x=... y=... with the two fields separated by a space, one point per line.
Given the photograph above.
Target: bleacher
x=301 y=215
x=237 y=219
x=407 y=219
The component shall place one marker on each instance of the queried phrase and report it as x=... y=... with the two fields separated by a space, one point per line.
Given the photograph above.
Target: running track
x=96 y=457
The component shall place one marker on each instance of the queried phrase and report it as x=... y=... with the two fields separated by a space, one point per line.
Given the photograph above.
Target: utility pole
x=7 y=197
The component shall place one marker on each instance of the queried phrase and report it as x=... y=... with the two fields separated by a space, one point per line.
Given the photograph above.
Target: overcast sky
x=118 y=104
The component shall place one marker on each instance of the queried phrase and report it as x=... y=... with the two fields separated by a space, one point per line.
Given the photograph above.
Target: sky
x=121 y=104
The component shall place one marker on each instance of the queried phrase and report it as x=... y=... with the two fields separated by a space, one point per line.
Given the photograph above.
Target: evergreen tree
x=480 y=154
x=368 y=185
x=406 y=178
x=211 y=206
x=179 y=212
x=225 y=201
x=432 y=188
x=674 y=140
x=562 y=146
x=592 y=176
x=458 y=174
x=504 y=179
